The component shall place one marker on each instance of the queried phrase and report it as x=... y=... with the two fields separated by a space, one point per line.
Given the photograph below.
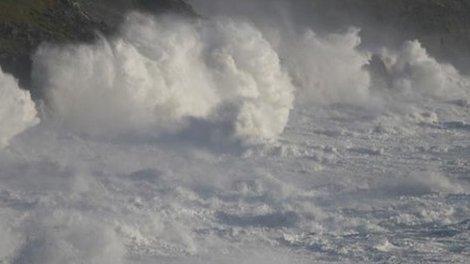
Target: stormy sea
x=243 y=135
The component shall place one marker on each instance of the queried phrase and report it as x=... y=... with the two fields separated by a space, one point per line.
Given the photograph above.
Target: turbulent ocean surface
x=235 y=139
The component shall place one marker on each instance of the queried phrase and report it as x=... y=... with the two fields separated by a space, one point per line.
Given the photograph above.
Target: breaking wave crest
x=161 y=73
x=17 y=110
x=164 y=75
x=329 y=69
x=413 y=72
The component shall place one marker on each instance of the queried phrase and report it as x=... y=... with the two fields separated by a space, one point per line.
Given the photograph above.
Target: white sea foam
x=329 y=69
x=162 y=75
x=61 y=236
x=413 y=72
x=17 y=110
x=340 y=181
x=161 y=72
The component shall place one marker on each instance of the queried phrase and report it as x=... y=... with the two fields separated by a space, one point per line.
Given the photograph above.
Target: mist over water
x=342 y=154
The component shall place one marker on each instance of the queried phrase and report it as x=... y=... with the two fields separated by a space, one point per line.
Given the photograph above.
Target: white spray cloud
x=414 y=72
x=161 y=72
x=17 y=110
x=329 y=69
x=249 y=76
x=325 y=68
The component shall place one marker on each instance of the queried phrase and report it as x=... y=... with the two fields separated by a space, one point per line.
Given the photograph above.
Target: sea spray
x=162 y=72
x=17 y=110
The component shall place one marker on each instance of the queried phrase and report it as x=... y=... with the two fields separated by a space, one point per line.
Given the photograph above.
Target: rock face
x=24 y=24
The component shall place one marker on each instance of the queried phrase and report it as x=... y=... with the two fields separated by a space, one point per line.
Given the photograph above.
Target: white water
x=181 y=142
x=17 y=110
x=161 y=73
